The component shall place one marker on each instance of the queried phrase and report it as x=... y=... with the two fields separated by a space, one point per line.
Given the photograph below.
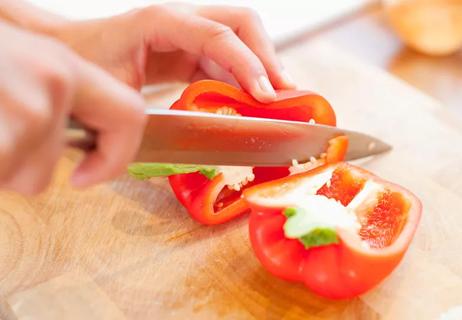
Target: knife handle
x=79 y=136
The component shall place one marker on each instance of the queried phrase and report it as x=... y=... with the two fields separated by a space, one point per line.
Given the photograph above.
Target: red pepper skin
x=292 y=105
x=198 y=194
x=338 y=271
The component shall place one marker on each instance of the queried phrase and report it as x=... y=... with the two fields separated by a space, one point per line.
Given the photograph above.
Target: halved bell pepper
x=338 y=229
x=209 y=201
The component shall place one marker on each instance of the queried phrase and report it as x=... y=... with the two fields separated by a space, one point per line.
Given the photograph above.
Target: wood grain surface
x=127 y=250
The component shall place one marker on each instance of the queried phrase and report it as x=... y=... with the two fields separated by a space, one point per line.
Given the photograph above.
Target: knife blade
x=175 y=136
x=188 y=137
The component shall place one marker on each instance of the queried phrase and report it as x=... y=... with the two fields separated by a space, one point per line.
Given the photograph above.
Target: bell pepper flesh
x=210 y=201
x=388 y=219
x=343 y=186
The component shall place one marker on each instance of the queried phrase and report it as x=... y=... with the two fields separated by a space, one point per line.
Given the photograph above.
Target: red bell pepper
x=334 y=259
x=210 y=201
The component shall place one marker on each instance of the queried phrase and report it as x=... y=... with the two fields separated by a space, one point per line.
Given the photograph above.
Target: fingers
x=33 y=107
x=37 y=93
x=247 y=25
x=116 y=112
x=102 y=103
x=232 y=38
x=211 y=69
x=35 y=172
x=33 y=169
x=215 y=41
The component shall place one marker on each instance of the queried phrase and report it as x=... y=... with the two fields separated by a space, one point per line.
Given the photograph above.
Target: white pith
x=236 y=177
x=303 y=195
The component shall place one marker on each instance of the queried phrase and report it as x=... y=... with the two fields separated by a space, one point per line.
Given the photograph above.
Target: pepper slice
x=210 y=201
x=355 y=257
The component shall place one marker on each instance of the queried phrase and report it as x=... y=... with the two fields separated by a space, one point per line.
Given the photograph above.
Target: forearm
x=25 y=15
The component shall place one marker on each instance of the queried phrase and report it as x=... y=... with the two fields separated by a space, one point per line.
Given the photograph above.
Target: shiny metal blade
x=361 y=145
x=174 y=136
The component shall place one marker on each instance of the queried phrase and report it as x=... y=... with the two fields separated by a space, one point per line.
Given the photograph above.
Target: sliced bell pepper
x=209 y=201
x=338 y=229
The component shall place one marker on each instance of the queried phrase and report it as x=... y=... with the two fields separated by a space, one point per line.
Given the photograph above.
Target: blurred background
x=419 y=41
x=283 y=19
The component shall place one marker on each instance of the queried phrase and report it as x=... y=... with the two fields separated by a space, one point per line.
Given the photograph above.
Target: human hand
x=42 y=84
x=180 y=42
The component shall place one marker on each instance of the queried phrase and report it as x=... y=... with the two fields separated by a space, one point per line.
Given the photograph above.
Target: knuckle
x=59 y=82
x=59 y=51
x=152 y=12
x=248 y=14
x=38 y=115
x=217 y=32
x=37 y=120
x=57 y=73
x=178 y=9
x=59 y=79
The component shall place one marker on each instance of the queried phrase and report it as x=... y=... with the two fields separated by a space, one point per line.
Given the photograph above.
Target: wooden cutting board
x=128 y=250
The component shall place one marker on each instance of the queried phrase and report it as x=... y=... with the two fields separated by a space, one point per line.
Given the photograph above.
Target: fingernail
x=287 y=79
x=266 y=87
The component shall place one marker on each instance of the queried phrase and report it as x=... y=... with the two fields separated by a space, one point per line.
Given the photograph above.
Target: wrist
x=29 y=17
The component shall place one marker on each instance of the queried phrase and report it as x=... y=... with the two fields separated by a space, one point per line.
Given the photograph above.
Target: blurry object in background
x=284 y=20
x=432 y=27
x=439 y=77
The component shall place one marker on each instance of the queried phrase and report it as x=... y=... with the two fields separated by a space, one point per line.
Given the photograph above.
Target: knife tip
x=378 y=146
x=362 y=146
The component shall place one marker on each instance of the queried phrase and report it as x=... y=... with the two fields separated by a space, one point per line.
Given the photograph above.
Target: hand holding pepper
x=174 y=42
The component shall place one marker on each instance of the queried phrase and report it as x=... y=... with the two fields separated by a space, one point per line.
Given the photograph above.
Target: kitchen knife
x=187 y=137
